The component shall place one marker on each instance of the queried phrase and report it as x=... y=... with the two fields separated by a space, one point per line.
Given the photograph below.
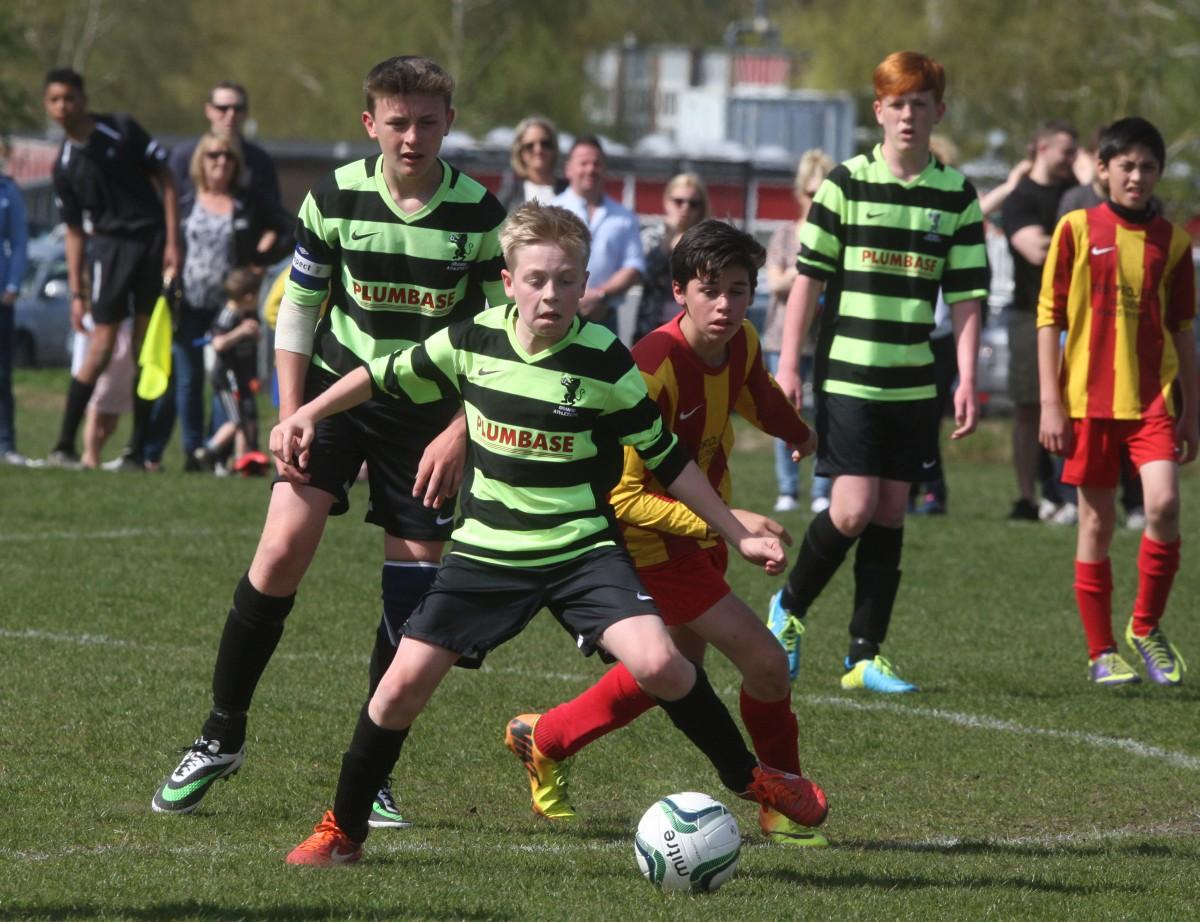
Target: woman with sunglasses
x=534 y=159
x=685 y=203
x=222 y=227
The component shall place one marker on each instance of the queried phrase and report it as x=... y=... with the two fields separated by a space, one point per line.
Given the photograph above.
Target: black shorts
x=126 y=275
x=894 y=440
x=390 y=435
x=473 y=607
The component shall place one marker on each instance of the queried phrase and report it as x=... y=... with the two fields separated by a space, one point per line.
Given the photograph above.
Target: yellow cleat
x=547 y=778
x=778 y=828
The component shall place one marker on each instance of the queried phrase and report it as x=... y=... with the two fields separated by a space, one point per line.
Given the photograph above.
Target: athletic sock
x=252 y=631
x=821 y=554
x=402 y=584
x=876 y=580
x=78 y=395
x=1158 y=562
x=612 y=702
x=773 y=731
x=365 y=766
x=141 y=418
x=1093 y=595
x=705 y=721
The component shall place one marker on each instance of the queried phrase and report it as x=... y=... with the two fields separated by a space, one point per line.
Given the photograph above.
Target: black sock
x=821 y=554
x=365 y=766
x=381 y=657
x=227 y=727
x=876 y=580
x=141 y=418
x=706 y=722
x=252 y=631
x=78 y=395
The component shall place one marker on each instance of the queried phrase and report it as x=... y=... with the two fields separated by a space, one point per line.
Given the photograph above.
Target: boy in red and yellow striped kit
x=699 y=368
x=1119 y=281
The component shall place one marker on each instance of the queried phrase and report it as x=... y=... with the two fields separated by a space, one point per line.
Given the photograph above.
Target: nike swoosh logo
x=876 y=214
x=1097 y=251
x=487 y=371
x=690 y=412
x=337 y=856
x=926 y=465
x=173 y=794
x=642 y=597
x=444 y=520
x=355 y=235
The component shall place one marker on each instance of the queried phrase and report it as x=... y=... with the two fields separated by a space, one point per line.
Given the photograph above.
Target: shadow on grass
x=206 y=910
x=909 y=881
x=1029 y=850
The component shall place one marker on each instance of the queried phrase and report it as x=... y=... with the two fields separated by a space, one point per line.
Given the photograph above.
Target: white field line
x=175 y=531
x=957 y=718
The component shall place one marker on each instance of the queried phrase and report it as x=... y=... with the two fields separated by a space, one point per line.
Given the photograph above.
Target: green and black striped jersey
x=546 y=433
x=392 y=279
x=884 y=248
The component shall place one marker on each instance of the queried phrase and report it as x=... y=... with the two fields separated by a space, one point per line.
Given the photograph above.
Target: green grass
x=1009 y=788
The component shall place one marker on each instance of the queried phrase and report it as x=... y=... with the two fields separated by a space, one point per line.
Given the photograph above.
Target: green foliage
x=1002 y=790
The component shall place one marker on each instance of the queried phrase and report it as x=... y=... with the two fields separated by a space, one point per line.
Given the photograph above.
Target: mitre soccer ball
x=687 y=841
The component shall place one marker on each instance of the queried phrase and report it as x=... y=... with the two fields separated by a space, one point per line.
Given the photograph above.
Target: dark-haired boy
x=401 y=244
x=550 y=400
x=699 y=368
x=1119 y=282
x=887 y=230
x=108 y=178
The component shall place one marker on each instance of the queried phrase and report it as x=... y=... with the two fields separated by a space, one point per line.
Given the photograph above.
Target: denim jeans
x=8 y=432
x=185 y=391
x=787 y=472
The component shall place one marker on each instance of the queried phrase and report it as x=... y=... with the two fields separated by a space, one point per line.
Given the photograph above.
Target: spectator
x=685 y=203
x=226 y=111
x=1028 y=218
x=112 y=397
x=534 y=159
x=222 y=226
x=14 y=235
x=105 y=177
x=616 y=263
x=782 y=251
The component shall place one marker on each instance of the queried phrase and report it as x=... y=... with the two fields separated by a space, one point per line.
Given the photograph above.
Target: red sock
x=608 y=705
x=1093 y=594
x=1157 y=564
x=773 y=731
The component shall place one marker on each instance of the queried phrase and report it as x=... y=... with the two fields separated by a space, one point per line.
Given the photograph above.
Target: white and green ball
x=687 y=841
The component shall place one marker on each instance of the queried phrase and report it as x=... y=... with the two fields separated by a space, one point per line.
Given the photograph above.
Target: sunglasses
x=544 y=144
x=688 y=202
x=219 y=155
x=228 y=107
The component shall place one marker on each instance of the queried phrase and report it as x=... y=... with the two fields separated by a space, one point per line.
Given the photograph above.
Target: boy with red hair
x=1118 y=280
x=886 y=231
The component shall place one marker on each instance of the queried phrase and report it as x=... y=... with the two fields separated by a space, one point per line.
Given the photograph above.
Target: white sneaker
x=1067 y=514
x=785 y=503
x=1047 y=509
x=819 y=505
x=16 y=459
x=1136 y=519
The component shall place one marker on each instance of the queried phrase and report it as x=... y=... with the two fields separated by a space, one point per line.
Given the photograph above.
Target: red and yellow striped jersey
x=1119 y=289
x=697 y=402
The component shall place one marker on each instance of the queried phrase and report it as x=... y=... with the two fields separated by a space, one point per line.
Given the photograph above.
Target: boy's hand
x=1187 y=437
x=808 y=448
x=1054 y=430
x=966 y=411
x=290 y=442
x=766 y=552
x=439 y=474
x=760 y=526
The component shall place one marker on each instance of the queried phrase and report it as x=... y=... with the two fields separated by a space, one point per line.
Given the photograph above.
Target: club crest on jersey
x=935 y=218
x=462 y=245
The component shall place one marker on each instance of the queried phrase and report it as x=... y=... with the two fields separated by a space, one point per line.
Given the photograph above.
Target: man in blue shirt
x=617 y=262
x=14 y=235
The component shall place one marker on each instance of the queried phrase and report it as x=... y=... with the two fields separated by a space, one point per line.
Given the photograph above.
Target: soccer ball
x=687 y=841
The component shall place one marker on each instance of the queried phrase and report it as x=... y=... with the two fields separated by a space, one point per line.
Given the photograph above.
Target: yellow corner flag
x=155 y=357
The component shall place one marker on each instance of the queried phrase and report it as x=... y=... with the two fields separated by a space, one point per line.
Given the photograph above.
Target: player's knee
x=852 y=520
x=1162 y=513
x=1095 y=526
x=767 y=678
x=663 y=672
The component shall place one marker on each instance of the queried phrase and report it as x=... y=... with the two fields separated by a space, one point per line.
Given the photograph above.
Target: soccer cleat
x=547 y=779
x=1164 y=662
x=797 y=798
x=1109 y=669
x=788 y=629
x=876 y=675
x=778 y=828
x=327 y=847
x=202 y=764
x=384 y=812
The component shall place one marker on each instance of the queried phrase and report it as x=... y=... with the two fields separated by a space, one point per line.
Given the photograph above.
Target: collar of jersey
x=382 y=188
x=510 y=328
x=877 y=155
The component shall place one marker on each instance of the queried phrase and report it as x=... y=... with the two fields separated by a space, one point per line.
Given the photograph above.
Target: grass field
x=1008 y=788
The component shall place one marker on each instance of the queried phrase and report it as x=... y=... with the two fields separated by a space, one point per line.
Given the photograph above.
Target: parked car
x=42 y=318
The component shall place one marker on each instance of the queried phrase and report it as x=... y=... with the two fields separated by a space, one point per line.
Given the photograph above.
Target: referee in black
x=116 y=193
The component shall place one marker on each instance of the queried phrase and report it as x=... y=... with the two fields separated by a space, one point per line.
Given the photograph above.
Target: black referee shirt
x=104 y=185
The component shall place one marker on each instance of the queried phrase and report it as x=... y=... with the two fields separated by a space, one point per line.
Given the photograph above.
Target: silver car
x=42 y=332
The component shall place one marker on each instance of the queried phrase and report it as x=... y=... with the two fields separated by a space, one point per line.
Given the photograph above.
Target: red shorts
x=687 y=587
x=1095 y=458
